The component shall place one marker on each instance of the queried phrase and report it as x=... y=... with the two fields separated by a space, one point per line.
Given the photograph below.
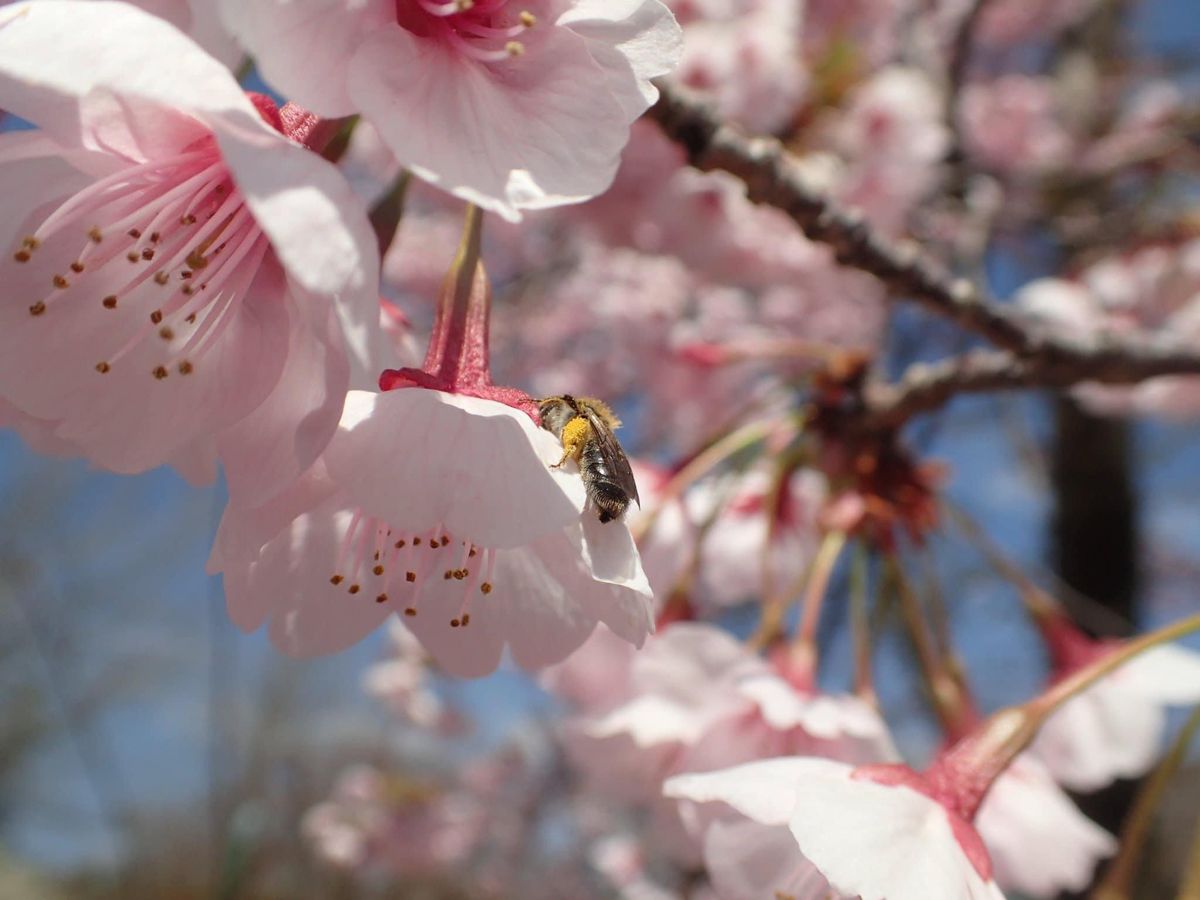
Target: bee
x=585 y=427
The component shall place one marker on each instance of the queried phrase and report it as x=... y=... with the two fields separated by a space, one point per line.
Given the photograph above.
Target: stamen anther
x=160 y=372
x=37 y=309
x=95 y=234
x=185 y=368
x=102 y=367
x=60 y=282
x=77 y=267
x=335 y=580
x=354 y=589
x=110 y=302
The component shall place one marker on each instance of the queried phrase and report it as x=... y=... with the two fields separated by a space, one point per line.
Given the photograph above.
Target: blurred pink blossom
x=1115 y=728
x=1014 y=124
x=160 y=217
x=402 y=681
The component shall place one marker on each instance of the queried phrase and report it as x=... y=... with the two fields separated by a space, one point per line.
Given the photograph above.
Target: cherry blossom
x=1115 y=728
x=870 y=836
x=545 y=89
x=438 y=500
x=174 y=295
x=1014 y=124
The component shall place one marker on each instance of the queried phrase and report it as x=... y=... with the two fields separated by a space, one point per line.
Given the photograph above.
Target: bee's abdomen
x=608 y=496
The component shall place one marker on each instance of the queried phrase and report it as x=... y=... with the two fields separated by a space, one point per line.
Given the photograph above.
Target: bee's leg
x=574 y=436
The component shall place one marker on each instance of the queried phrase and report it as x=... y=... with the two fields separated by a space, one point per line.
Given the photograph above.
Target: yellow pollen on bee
x=185 y=368
x=160 y=372
x=102 y=367
x=60 y=282
x=485 y=588
x=354 y=589
x=77 y=267
x=410 y=577
x=37 y=309
x=156 y=316
x=166 y=333
x=335 y=580
x=95 y=234
x=162 y=277
x=109 y=302
x=514 y=48
x=378 y=570
x=527 y=18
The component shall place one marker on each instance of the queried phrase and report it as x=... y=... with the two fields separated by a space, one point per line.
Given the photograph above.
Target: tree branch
x=1033 y=355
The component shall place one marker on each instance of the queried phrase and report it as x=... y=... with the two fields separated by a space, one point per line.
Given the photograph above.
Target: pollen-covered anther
x=485 y=588
x=148 y=254
x=409 y=611
x=454 y=623
x=449 y=573
x=514 y=48
x=109 y=302
x=335 y=580
x=95 y=234
x=161 y=277
x=416 y=542
x=133 y=256
x=464 y=5
x=187 y=220
x=156 y=316
x=134 y=233
x=103 y=367
x=191 y=320
x=527 y=18
x=77 y=267
x=155 y=237
x=354 y=588
x=22 y=256
x=400 y=544
x=466 y=619
x=378 y=570
x=60 y=282
x=166 y=333
x=382 y=598
x=185 y=368
x=37 y=309
x=160 y=372
x=410 y=577
x=460 y=574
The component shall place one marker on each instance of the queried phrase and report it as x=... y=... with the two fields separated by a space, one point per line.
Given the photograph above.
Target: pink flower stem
x=971 y=766
x=804 y=648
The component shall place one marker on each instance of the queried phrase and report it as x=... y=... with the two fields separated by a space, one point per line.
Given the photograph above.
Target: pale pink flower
x=1013 y=21
x=595 y=678
x=1039 y=841
x=521 y=105
x=183 y=273
x=402 y=681
x=894 y=137
x=875 y=833
x=700 y=700
x=389 y=823
x=1115 y=728
x=1014 y=124
x=199 y=20
x=443 y=508
x=749 y=58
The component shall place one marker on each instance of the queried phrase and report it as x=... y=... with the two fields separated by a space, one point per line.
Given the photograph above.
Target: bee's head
x=556 y=412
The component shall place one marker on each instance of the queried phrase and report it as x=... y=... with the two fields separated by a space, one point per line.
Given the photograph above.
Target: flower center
x=486 y=30
x=396 y=565
x=167 y=246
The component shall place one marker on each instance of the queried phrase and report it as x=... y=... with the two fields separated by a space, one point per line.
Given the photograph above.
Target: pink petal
x=533 y=134
x=750 y=861
x=765 y=791
x=33 y=172
x=284 y=435
x=110 y=76
x=303 y=48
x=633 y=41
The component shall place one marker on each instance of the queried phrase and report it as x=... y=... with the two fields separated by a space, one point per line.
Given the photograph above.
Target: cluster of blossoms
x=207 y=278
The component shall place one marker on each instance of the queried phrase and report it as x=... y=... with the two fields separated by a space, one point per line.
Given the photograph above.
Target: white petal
x=1167 y=674
x=418 y=458
x=766 y=791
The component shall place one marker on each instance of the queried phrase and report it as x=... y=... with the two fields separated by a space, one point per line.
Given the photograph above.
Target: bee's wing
x=612 y=452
